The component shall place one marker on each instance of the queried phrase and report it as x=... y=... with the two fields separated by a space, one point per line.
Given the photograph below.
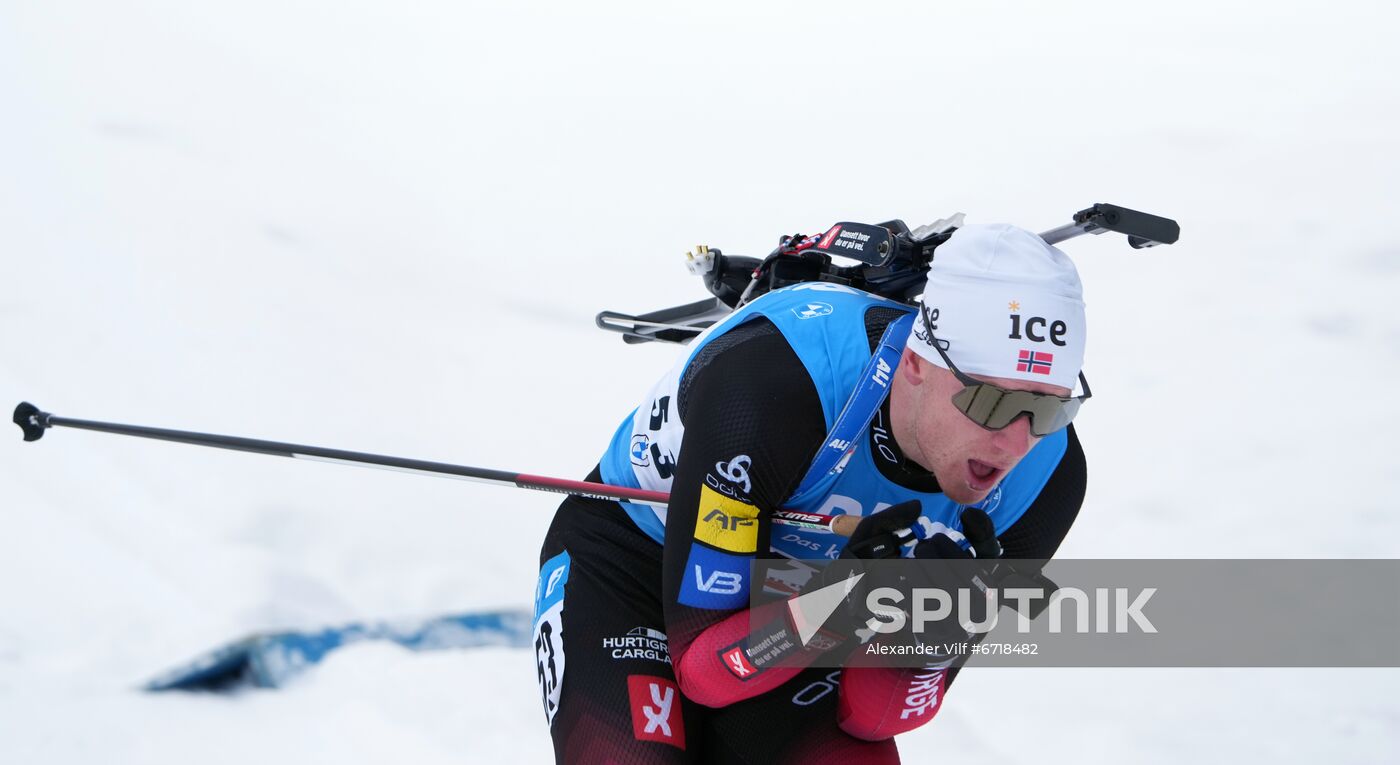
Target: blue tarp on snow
x=270 y=660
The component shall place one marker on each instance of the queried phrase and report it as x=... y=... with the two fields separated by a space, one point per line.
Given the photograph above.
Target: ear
x=912 y=367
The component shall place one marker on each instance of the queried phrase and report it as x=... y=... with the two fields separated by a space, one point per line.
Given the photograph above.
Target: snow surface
x=387 y=226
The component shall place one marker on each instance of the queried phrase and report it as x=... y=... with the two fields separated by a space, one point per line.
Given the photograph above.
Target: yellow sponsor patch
x=726 y=523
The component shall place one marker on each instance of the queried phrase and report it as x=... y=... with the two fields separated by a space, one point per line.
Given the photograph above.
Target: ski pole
x=34 y=422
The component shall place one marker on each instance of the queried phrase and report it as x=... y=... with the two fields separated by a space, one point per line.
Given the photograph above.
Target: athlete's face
x=967 y=459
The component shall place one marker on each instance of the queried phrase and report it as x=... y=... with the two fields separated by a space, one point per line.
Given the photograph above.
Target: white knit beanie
x=1004 y=304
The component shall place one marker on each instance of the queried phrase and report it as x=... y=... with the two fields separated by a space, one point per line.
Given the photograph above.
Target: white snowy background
x=387 y=226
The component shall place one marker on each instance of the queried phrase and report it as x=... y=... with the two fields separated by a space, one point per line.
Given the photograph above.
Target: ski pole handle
x=844 y=525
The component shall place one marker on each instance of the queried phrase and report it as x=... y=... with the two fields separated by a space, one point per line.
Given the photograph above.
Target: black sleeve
x=753 y=421
x=1037 y=534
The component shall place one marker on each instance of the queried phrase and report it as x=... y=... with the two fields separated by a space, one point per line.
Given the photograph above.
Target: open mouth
x=981 y=476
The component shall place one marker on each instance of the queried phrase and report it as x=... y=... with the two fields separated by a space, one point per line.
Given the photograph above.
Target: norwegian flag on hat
x=1036 y=362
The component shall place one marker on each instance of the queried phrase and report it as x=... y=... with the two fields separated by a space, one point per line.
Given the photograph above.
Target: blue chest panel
x=860 y=490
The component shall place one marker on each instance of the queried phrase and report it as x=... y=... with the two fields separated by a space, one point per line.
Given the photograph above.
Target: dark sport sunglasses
x=994 y=408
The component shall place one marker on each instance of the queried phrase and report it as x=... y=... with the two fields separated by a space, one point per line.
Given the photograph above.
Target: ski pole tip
x=31 y=420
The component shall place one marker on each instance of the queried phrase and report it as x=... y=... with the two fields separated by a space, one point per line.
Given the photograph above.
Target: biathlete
x=642 y=612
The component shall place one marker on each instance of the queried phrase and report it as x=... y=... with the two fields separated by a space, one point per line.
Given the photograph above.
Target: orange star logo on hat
x=1013 y=305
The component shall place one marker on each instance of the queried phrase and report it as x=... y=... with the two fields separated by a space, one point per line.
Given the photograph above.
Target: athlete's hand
x=879 y=534
x=974 y=569
x=981 y=535
x=966 y=575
